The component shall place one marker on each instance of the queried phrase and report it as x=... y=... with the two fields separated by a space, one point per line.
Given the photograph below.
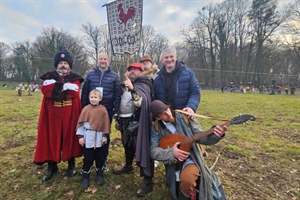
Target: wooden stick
x=216 y=161
x=193 y=114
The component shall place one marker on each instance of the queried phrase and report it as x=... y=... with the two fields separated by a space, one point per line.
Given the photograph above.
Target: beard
x=63 y=70
x=132 y=77
x=147 y=66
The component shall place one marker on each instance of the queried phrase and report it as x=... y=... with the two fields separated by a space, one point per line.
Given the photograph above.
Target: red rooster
x=124 y=17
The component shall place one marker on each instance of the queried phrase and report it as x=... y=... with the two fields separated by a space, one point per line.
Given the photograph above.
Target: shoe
x=124 y=170
x=145 y=188
x=52 y=169
x=71 y=171
x=100 y=180
x=71 y=167
x=85 y=180
x=105 y=167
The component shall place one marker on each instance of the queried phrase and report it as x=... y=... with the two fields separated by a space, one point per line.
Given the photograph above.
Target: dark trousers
x=90 y=155
x=129 y=142
x=129 y=146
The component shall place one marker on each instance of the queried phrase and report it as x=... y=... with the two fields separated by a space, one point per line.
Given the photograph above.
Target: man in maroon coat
x=60 y=109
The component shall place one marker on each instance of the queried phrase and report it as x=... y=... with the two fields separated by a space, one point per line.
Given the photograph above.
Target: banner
x=125 y=25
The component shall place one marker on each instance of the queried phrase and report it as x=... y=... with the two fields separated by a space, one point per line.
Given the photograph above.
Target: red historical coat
x=56 y=139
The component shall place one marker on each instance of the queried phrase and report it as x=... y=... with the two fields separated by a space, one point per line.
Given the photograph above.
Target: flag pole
x=127 y=59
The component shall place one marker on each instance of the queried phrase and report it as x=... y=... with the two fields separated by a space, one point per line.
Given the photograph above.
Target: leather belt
x=63 y=103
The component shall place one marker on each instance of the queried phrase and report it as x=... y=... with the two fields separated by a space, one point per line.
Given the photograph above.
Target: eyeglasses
x=143 y=61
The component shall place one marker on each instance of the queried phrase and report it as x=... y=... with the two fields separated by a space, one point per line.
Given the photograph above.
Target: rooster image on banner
x=125 y=25
x=124 y=17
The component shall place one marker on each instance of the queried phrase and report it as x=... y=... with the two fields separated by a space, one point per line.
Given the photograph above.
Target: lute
x=186 y=142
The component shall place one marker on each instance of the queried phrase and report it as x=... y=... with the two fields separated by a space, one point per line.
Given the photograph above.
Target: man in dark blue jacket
x=108 y=82
x=176 y=84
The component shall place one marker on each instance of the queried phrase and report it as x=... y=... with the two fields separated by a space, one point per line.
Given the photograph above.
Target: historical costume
x=59 y=113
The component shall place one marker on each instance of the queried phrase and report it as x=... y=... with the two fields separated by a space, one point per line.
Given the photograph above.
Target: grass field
x=258 y=160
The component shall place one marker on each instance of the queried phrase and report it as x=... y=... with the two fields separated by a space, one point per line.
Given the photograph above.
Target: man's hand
x=219 y=131
x=70 y=86
x=128 y=82
x=188 y=109
x=155 y=68
x=49 y=81
x=180 y=154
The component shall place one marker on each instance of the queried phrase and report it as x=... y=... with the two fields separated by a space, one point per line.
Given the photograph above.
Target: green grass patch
x=239 y=150
x=257 y=160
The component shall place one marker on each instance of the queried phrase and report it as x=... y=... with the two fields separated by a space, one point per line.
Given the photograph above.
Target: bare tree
x=22 y=60
x=47 y=44
x=233 y=39
x=201 y=35
x=92 y=40
x=182 y=51
x=292 y=28
x=4 y=50
x=97 y=40
x=155 y=47
x=147 y=36
x=105 y=45
x=265 y=20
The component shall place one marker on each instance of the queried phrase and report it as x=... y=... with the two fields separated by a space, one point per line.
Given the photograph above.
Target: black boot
x=85 y=180
x=127 y=169
x=146 y=186
x=100 y=180
x=105 y=167
x=52 y=169
x=71 y=167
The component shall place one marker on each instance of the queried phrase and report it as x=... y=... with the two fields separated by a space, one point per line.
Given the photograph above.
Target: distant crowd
x=27 y=87
x=271 y=90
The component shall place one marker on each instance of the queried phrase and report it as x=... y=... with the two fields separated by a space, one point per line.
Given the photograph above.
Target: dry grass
x=259 y=160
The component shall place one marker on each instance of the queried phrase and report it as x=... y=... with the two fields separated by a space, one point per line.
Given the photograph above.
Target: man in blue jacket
x=176 y=84
x=103 y=78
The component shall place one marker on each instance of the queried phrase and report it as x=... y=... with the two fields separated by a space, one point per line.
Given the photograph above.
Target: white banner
x=125 y=25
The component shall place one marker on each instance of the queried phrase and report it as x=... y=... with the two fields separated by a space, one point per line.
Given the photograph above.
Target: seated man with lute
x=173 y=142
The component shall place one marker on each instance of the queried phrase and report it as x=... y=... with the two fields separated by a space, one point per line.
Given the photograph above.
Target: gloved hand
x=49 y=81
x=70 y=86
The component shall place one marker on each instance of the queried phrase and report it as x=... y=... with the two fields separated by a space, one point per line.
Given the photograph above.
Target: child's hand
x=104 y=140
x=81 y=141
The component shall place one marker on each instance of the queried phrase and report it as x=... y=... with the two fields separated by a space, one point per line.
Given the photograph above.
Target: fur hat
x=136 y=65
x=146 y=57
x=63 y=55
x=157 y=107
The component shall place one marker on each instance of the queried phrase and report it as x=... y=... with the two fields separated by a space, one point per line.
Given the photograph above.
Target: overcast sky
x=24 y=19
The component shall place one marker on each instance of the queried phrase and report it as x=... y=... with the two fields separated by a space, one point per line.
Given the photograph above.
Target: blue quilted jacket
x=110 y=82
x=186 y=88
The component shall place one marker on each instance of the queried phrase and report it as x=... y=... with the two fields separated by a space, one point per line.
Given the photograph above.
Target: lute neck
x=203 y=134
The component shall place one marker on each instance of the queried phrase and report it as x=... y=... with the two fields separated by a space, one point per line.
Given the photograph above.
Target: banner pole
x=127 y=59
